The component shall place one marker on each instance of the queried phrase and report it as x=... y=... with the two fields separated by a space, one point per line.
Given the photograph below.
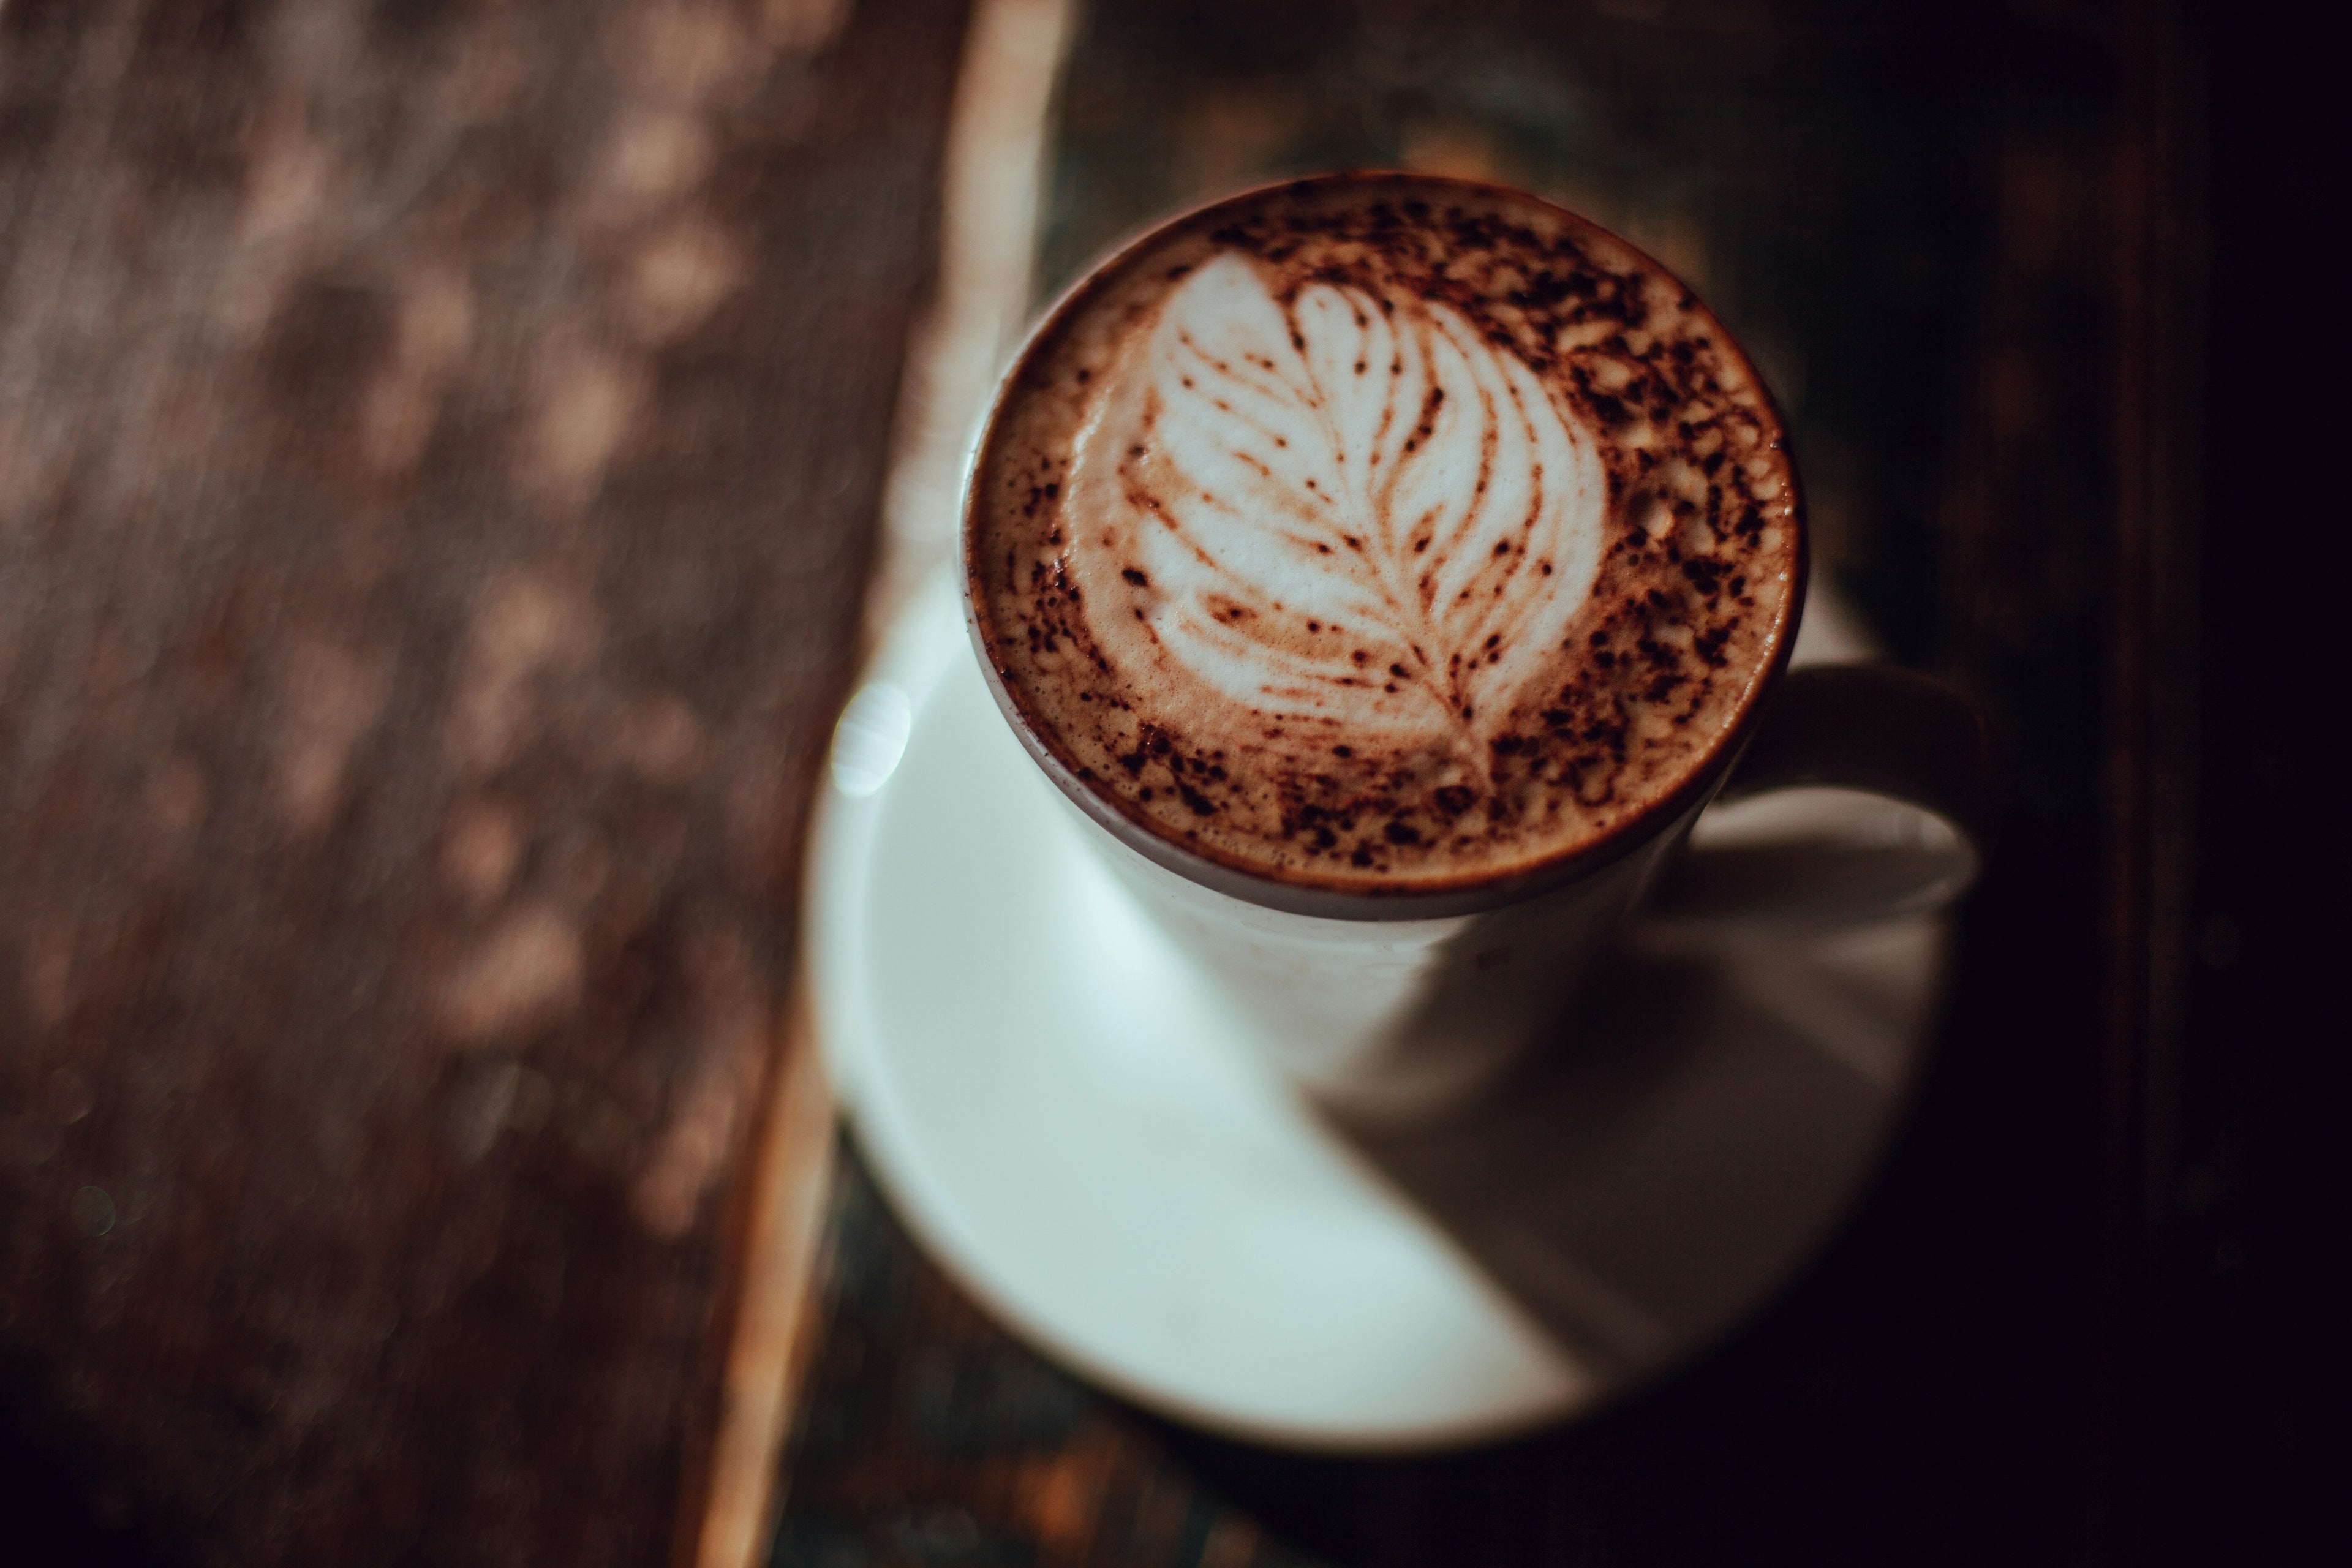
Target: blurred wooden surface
x=439 y=446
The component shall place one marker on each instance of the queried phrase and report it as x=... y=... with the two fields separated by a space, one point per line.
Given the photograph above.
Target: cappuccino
x=1384 y=533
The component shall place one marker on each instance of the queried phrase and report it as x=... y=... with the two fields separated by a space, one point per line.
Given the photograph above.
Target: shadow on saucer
x=1692 y=1130
x=1687 y=1137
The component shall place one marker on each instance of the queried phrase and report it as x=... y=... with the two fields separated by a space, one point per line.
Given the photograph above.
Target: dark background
x=2031 y=280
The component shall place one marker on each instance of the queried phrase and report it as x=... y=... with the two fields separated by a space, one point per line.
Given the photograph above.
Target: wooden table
x=444 y=453
x=438 y=452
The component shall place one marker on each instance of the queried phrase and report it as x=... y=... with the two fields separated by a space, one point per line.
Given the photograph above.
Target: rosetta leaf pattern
x=1352 y=505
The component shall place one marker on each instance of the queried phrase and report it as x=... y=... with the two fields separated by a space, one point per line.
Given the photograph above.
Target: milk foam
x=1347 y=507
x=1382 y=533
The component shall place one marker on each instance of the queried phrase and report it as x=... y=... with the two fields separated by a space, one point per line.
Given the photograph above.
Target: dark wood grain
x=438 y=448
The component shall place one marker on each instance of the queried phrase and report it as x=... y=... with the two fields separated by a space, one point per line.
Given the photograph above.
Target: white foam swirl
x=1352 y=509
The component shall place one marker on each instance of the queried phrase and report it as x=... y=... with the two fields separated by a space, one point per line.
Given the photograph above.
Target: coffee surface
x=1382 y=532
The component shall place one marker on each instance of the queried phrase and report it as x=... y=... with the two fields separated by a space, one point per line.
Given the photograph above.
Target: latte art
x=1381 y=535
x=1350 y=507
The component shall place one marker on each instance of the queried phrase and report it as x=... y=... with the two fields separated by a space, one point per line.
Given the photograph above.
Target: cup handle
x=1837 y=859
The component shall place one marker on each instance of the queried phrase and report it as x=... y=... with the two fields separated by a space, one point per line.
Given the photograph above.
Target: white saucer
x=1058 y=1114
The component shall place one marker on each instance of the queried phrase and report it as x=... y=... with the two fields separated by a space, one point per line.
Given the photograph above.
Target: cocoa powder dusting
x=1691 y=600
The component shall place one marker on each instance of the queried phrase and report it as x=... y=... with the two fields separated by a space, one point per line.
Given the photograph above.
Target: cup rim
x=1434 y=899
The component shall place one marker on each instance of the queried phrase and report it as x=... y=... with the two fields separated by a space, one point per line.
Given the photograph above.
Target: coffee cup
x=1388 y=571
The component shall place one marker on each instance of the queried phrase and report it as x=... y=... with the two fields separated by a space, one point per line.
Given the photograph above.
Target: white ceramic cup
x=1393 y=1007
